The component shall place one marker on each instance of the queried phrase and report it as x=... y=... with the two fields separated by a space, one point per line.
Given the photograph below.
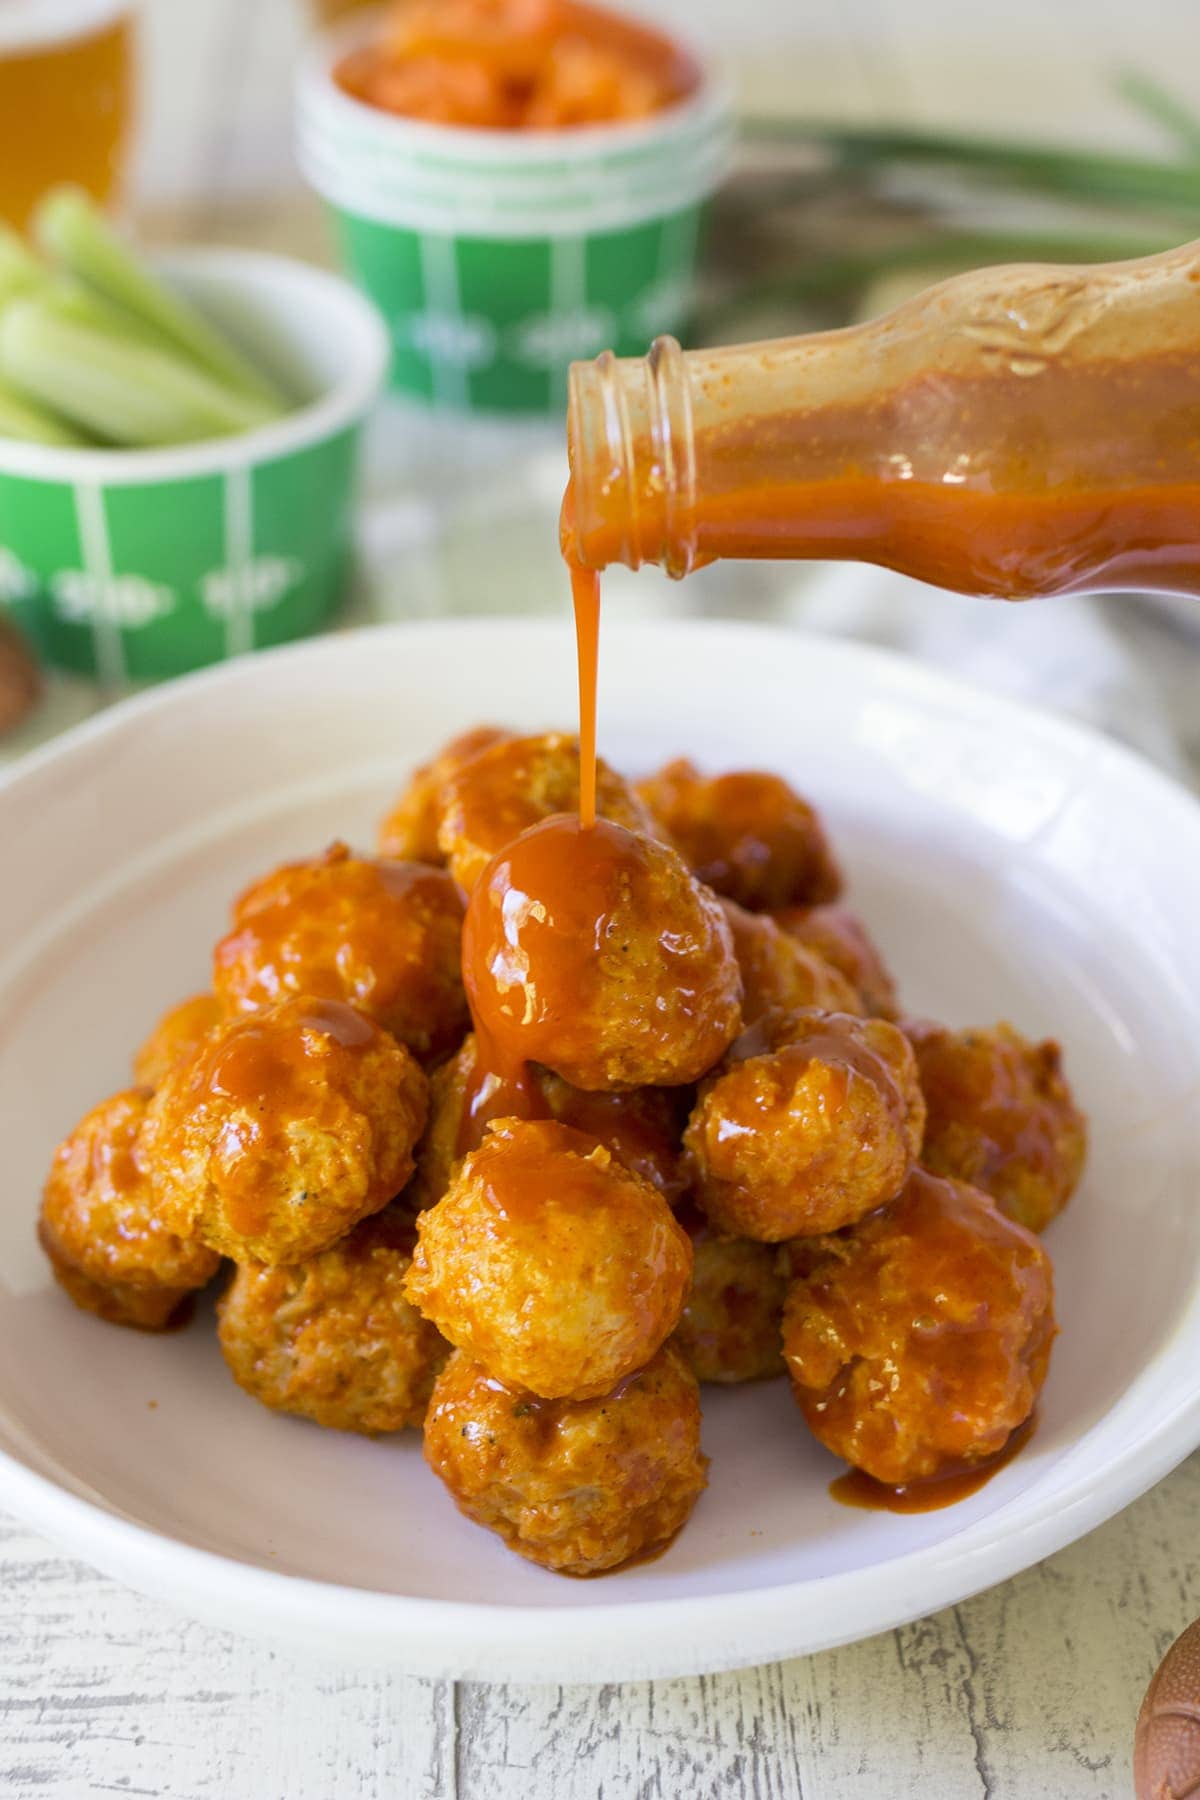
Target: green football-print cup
x=130 y=564
x=497 y=258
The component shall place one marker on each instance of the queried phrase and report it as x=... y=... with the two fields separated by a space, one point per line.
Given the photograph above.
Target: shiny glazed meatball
x=596 y=954
x=747 y=834
x=549 y=1263
x=410 y=831
x=579 y=1486
x=1001 y=1115
x=643 y=1127
x=284 y=1129
x=918 y=1341
x=516 y=784
x=334 y=1338
x=175 y=1036
x=813 y=1120
x=102 y=1231
x=780 y=973
x=839 y=935
x=385 y=937
x=730 y=1329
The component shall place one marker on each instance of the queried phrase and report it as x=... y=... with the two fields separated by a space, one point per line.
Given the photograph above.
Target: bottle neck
x=631 y=440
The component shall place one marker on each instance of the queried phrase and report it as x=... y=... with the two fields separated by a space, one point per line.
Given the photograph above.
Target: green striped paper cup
x=498 y=258
x=139 y=563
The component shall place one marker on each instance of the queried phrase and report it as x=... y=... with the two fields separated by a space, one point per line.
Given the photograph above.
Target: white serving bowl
x=1012 y=865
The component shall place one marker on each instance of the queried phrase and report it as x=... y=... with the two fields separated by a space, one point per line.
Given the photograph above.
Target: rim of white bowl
x=509 y=149
x=366 y=356
x=650 y=1635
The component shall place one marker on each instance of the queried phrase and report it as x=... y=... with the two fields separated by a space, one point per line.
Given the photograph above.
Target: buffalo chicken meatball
x=383 y=936
x=812 y=1120
x=496 y=796
x=579 y=1486
x=918 y=1341
x=780 y=973
x=334 y=1338
x=747 y=834
x=596 y=953
x=550 y=1263
x=102 y=1231
x=1001 y=1116
x=284 y=1129
x=839 y=935
x=729 y=1331
x=642 y=1127
x=410 y=831
x=175 y=1036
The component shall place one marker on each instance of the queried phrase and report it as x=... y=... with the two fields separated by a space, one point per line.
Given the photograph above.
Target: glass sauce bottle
x=1017 y=431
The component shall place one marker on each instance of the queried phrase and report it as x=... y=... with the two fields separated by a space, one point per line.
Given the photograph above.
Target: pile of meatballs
x=516 y=1132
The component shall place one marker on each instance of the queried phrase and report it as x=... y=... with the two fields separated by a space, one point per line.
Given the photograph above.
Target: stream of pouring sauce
x=854 y=1488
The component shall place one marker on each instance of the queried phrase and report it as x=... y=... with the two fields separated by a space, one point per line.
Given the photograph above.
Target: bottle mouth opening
x=632 y=457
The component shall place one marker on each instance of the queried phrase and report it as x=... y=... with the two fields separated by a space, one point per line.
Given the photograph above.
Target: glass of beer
x=66 y=98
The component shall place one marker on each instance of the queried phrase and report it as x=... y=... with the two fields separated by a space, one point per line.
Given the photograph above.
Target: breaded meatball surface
x=595 y=953
x=175 y=1036
x=840 y=936
x=1001 y=1115
x=102 y=1231
x=410 y=831
x=748 y=834
x=285 y=1128
x=918 y=1341
x=813 y=1119
x=730 y=1328
x=642 y=1127
x=386 y=937
x=334 y=1338
x=781 y=973
x=515 y=784
x=549 y=1263
x=579 y=1486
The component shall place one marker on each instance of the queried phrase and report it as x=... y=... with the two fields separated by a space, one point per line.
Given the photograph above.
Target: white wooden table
x=1026 y=1693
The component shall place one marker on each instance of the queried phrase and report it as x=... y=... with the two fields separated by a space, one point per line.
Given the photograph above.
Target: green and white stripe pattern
x=497 y=258
x=132 y=580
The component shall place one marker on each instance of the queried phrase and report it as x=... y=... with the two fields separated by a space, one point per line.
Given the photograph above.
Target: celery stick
x=70 y=299
x=20 y=419
x=126 y=393
x=20 y=270
x=71 y=229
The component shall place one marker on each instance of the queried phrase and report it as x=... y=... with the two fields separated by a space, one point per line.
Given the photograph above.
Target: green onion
x=1082 y=174
x=129 y=394
x=1162 y=108
x=71 y=229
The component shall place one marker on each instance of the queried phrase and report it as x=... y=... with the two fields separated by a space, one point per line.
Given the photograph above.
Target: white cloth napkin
x=1118 y=664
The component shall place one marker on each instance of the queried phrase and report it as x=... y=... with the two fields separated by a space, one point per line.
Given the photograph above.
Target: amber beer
x=66 y=99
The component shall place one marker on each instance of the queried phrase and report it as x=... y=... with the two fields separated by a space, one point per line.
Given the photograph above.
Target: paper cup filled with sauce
x=516 y=184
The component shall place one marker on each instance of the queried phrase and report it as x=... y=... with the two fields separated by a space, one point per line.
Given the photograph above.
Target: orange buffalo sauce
x=516 y=65
x=855 y=1488
x=1016 y=432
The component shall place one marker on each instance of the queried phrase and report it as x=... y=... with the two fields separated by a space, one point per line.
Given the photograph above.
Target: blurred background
x=880 y=145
